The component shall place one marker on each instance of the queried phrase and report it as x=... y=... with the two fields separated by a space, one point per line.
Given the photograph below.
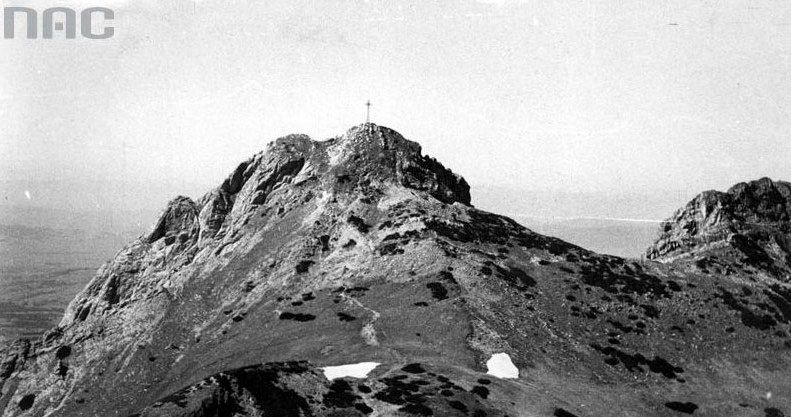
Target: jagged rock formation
x=744 y=229
x=360 y=249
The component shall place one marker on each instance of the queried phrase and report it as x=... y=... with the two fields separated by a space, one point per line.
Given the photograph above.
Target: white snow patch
x=500 y=365
x=355 y=370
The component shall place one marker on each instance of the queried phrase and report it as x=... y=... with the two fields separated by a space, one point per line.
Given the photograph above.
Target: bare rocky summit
x=360 y=249
x=746 y=229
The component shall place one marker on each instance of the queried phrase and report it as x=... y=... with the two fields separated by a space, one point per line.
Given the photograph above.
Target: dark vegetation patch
x=308 y=296
x=686 y=407
x=395 y=241
x=624 y=328
x=590 y=313
x=296 y=316
x=257 y=386
x=350 y=244
x=346 y=317
x=359 y=224
x=483 y=228
x=304 y=266
x=603 y=274
x=755 y=255
x=773 y=412
x=512 y=275
x=413 y=368
x=421 y=304
x=749 y=318
x=447 y=277
x=341 y=395
x=650 y=310
x=458 y=405
x=480 y=391
x=438 y=291
x=559 y=412
x=27 y=402
x=636 y=362
x=400 y=392
x=417 y=409
x=262 y=384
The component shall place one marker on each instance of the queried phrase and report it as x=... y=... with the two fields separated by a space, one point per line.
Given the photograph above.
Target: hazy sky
x=575 y=96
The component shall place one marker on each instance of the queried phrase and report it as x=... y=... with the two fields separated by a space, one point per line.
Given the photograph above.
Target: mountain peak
x=365 y=155
x=381 y=137
x=751 y=218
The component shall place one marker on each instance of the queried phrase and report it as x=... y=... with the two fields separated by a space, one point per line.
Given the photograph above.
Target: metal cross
x=368 y=111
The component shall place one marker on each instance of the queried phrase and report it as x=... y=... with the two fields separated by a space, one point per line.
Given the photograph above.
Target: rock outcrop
x=361 y=249
x=746 y=228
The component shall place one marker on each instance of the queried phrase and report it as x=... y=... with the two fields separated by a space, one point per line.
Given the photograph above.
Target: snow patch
x=355 y=370
x=500 y=365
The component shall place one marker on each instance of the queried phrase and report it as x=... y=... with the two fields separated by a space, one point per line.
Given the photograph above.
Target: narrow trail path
x=369 y=334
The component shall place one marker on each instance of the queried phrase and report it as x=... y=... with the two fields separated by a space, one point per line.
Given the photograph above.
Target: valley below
x=41 y=269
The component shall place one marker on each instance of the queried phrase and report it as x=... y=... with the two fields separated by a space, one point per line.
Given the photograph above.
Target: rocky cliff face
x=746 y=228
x=360 y=249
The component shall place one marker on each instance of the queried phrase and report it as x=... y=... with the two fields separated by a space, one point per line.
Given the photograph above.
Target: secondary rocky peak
x=761 y=201
x=751 y=218
x=178 y=217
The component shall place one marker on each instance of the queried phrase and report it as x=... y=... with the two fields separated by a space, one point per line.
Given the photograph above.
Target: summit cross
x=368 y=112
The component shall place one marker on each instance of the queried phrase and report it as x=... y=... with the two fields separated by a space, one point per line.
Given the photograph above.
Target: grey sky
x=585 y=96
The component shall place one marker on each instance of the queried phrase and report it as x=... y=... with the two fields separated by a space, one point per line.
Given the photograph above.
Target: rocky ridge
x=359 y=248
x=746 y=228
